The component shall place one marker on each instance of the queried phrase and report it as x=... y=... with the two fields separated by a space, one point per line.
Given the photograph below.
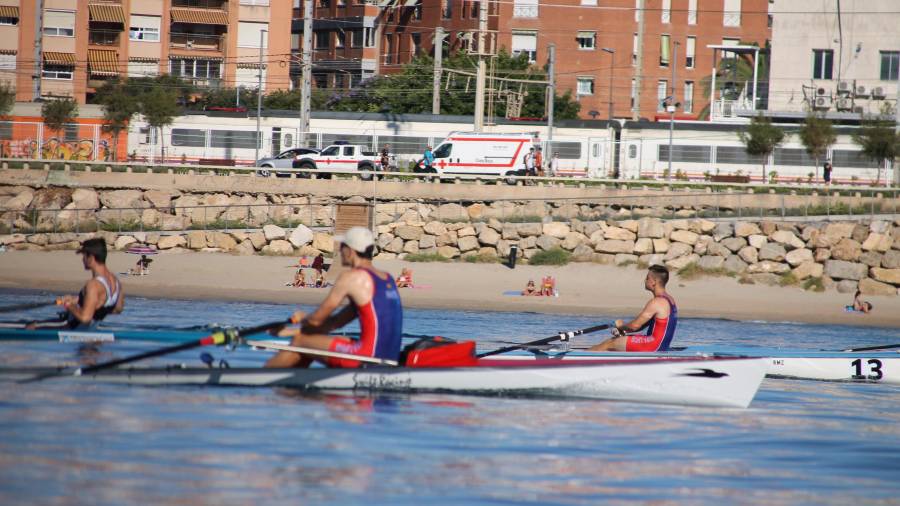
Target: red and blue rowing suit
x=660 y=332
x=381 y=326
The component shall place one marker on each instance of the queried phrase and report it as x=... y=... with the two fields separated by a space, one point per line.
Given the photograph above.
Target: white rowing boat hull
x=731 y=382
x=872 y=367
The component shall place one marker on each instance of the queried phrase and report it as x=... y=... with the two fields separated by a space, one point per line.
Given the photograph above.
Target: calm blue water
x=799 y=443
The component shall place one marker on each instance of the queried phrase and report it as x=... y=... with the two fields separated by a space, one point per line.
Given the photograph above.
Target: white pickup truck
x=341 y=157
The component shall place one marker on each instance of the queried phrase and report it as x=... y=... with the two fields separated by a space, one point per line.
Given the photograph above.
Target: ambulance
x=488 y=154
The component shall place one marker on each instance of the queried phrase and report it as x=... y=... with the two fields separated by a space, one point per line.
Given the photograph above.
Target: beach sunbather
x=548 y=286
x=530 y=289
x=862 y=306
x=142 y=267
x=299 y=279
x=404 y=280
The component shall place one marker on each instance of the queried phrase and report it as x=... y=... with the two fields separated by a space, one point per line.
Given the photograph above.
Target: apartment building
x=596 y=43
x=83 y=43
x=837 y=58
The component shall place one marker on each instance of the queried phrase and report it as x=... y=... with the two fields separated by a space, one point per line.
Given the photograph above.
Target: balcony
x=197 y=42
x=103 y=37
x=201 y=4
x=212 y=83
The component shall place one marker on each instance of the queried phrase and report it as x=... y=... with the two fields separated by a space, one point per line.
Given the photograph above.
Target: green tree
x=879 y=142
x=7 y=100
x=817 y=136
x=58 y=112
x=159 y=106
x=119 y=106
x=760 y=139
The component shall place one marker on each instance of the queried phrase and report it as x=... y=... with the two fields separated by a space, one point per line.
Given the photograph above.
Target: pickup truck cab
x=341 y=157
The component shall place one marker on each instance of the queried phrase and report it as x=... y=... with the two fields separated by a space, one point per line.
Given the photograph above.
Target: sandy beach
x=583 y=288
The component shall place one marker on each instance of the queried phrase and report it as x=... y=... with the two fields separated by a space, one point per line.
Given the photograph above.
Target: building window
x=370 y=37
x=665 y=14
x=62 y=72
x=588 y=2
x=692 y=12
x=356 y=38
x=525 y=43
x=59 y=23
x=890 y=63
x=634 y=49
x=255 y=2
x=324 y=4
x=417 y=12
x=661 y=88
x=688 y=99
x=198 y=69
x=340 y=38
x=141 y=68
x=525 y=8
x=389 y=52
x=633 y=92
x=637 y=10
x=585 y=86
x=587 y=40
x=732 y=15
x=690 y=49
x=663 y=50
x=9 y=21
x=7 y=62
x=823 y=60
x=144 y=28
x=323 y=40
x=416 y=40
x=446 y=9
x=249 y=34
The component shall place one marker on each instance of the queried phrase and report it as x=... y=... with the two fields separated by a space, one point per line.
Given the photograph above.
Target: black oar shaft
x=546 y=340
x=875 y=348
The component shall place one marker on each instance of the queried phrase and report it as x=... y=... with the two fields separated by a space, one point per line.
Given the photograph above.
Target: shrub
x=788 y=279
x=553 y=256
x=482 y=258
x=814 y=285
x=425 y=257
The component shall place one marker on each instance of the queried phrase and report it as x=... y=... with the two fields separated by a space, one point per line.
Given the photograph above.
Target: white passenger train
x=586 y=148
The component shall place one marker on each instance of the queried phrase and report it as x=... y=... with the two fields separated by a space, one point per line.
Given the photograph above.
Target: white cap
x=357 y=238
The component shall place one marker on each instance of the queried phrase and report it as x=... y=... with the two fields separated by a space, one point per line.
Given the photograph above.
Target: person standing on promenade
x=826 y=173
x=373 y=300
x=659 y=316
x=428 y=159
x=101 y=296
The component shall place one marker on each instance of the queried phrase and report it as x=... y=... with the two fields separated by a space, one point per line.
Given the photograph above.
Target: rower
x=660 y=316
x=373 y=299
x=100 y=296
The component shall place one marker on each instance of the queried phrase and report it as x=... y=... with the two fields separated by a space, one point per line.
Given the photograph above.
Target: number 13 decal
x=874 y=366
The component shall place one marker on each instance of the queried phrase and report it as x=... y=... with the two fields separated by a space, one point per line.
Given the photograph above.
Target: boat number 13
x=873 y=366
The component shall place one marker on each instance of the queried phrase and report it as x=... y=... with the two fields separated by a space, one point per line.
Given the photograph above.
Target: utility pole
x=259 y=93
x=38 y=50
x=639 y=63
x=551 y=95
x=671 y=107
x=482 y=69
x=306 y=69
x=897 y=119
x=438 y=61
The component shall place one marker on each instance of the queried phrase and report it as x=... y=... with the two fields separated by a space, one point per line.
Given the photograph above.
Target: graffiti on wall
x=55 y=149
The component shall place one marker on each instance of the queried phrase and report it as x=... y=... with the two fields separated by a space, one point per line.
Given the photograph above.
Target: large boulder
x=734 y=244
x=119 y=199
x=840 y=269
x=869 y=286
x=220 y=240
x=684 y=236
x=573 y=240
x=651 y=228
x=749 y=254
x=846 y=249
x=529 y=229
x=772 y=251
x=20 y=202
x=614 y=246
x=556 y=229
x=891 y=260
x=768 y=266
x=278 y=247
x=717 y=249
x=618 y=234
x=711 y=263
x=643 y=246
x=679 y=263
x=466 y=231
x=798 y=256
x=171 y=241
x=467 y=243
x=323 y=242
x=661 y=245
x=244 y=248
x=273 y=232
x=488 y=236
x=426 y=242
x=546 y=242
x=158 y=199
x=734 y=264
x=877 y=242
x=808 y=270
x=847 y=286
x=448 y=251
x=435 y=228
x=834 y=232
x=677 y=250
x=787 y=238
x=891 y=276
x=123 y=242
x=85 y=198
x=196 y=240
x=408 y=233
x=757 y=240
x=257 y=239
x=722 y=231
x=301 y=236
x=746 y=229
x=870 y=258
x=450 y=212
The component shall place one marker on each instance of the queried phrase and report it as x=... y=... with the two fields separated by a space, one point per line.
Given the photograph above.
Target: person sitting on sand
x=530 y=289
x=320 y=279
x=142 y=267
x=299 y=279
x=861 y=306
x=404 y=280
x=548 y=286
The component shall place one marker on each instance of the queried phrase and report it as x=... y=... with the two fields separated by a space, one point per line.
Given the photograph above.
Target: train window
x=287 y=140
x=233 y=139
x=852 y=159
x=596 y=150
x=566 y=150
x=632 y=151
x=793 y=156
x=6 y=129
x=692 y=154
x=189 y=137
x=735 y=155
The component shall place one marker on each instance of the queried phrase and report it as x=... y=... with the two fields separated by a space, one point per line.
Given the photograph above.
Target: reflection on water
x=799 y=443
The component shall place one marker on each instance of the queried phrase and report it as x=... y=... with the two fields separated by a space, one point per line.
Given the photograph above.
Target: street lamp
x=612 y=66
x=672 y=105
x=262 y=38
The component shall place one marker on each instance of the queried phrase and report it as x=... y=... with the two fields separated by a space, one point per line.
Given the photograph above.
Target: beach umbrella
x=141 y=250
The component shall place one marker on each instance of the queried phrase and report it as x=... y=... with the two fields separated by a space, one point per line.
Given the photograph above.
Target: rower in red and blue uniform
x=373 y=299
x=659 y=317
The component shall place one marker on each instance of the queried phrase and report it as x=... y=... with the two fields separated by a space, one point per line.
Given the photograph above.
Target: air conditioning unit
x=820 y=92
x=844 y=88
x=858 y=109
x=878 y=93
x=822 y=103
x=844 y=104
x=861 y=91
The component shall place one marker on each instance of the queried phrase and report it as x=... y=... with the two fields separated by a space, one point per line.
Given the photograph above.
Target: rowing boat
x=876 y=366
x=101 y=334
x=704 y=381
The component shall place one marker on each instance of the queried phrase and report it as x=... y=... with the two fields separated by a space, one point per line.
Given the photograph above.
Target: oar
x=562 y=336
x=271 y=345
x=874 y=348
x=30 y=305
x=220 y=337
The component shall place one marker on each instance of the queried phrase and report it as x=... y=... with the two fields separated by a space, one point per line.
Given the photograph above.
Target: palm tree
x=736 y=74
